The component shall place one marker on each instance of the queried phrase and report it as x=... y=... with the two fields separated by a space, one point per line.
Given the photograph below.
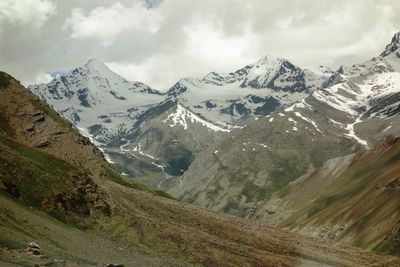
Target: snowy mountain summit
x=252 y=91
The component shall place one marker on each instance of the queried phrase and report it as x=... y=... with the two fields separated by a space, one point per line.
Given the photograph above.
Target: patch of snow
x=387 y=128
x=336 y=123
x=138 y=148
x=106 y=156
x=308 y=120
x=351 y=133
x=181 y=116
x=290 y=109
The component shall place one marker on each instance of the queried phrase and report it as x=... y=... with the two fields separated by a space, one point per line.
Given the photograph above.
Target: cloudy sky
x=158 y=42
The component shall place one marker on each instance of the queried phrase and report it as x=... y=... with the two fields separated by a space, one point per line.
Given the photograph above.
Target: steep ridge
x=137 y=127
x=353 y=200
x=356 y=107
x=120 y=222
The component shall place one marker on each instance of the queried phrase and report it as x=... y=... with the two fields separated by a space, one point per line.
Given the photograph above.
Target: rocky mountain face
x=153 y=136
x=60 y=199
x=354 y=108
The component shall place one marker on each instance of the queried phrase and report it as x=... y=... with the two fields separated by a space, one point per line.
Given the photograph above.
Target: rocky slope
x=344 y=199
x=86 y=214
x=356 y=107
x=139 y=128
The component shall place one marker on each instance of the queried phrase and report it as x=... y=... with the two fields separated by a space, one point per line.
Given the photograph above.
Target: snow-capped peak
x=96 y=67
x=94 y=63
x=269 y=60
x=393 y=46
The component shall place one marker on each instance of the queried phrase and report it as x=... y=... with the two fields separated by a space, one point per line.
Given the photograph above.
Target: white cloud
x=40 y=78
x=210 y=45
x=158 y=72
x=107 y=23
x=26 y=13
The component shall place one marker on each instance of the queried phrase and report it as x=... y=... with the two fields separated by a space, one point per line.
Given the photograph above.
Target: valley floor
x=193 y=237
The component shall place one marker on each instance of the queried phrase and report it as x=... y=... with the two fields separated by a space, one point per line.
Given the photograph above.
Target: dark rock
x=236 y=106
x=270 y=212
x=42 y=143
x=30 y=128
x=114 y=265
x=393 y=185
x=270 y=105
x=40 y=118
x=210 y=105
x=59 y=132
x=10 y=188
x=37 y=113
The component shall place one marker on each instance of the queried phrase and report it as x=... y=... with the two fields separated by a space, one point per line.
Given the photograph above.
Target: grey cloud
x=232 y=32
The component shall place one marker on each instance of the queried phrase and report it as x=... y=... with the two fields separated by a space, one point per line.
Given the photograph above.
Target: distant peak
x=95 y=65
x=393 y=46
x=94 y=62
x=269 y=59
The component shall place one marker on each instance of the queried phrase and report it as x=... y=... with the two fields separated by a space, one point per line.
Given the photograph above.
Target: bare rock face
x=85 y=199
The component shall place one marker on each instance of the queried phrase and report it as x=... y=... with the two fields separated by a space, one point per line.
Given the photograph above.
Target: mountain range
x=140 y=128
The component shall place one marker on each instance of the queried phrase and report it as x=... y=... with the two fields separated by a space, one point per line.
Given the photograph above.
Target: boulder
x=42 y=143
x=33 y=249
x=30 y=128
